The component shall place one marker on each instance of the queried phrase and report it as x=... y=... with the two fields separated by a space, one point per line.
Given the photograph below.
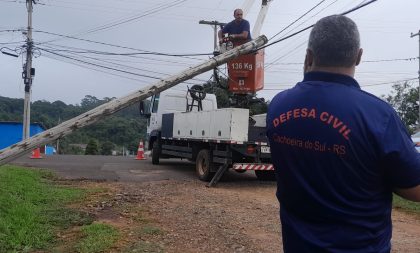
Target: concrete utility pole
x=215 y=24
x=27 y=74
x=413 y=35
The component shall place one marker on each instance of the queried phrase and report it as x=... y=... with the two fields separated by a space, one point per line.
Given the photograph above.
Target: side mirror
x=143 y=109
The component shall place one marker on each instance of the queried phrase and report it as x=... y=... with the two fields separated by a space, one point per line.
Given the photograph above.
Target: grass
x=32 y=209
x=97 y=237
x=406 y=205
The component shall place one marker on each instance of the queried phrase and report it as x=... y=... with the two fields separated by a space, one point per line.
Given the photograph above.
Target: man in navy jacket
x=339 y=152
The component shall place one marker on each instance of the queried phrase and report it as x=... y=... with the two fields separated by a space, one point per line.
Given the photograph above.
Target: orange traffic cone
x=36 y=154
x=140 y=152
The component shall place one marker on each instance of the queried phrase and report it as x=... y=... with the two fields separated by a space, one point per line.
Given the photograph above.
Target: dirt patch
x=186 y=216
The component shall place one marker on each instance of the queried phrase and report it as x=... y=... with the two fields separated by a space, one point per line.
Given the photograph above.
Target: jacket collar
x=331 y=77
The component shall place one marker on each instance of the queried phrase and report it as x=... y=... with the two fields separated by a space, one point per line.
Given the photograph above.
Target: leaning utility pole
x=102 y=111
x=412 y=35
x=27 y=74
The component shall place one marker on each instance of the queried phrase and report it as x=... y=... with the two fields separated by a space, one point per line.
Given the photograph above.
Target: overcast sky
x=68 y=69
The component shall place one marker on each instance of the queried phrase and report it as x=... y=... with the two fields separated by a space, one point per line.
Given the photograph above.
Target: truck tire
x=203 y=165
x=155 y=152
x=265 y=175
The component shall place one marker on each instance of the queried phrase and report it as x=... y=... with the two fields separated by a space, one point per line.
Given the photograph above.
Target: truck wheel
x=155 y=152
x=203 y=165
x=265 y=175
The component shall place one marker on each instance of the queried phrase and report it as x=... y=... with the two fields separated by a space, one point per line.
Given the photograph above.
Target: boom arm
x=260 y=19
x=246 y=6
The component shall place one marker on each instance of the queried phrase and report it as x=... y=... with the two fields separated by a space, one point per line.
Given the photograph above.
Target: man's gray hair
x=335 y=42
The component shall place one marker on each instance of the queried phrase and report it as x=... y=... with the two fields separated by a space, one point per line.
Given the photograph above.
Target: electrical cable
x=306 y=28
x=111 y=68
x=298 y=19
x=75 y=50
x=392 y=60
x=367 y=85
x=303 y=22
x=398 y=81
x=102 y=71
x=97 y=65
x=124 y=47
x=148 y=12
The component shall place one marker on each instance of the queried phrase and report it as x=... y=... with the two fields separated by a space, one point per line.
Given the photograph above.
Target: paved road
x=118 y=168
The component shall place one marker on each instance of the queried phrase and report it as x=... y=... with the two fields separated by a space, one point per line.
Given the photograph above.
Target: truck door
x=153 y=122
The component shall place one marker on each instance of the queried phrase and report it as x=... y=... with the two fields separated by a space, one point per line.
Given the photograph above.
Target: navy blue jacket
x=338 y=153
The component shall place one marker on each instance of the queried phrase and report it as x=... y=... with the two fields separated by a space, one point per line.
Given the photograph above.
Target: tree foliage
x=106 y=148
x=404 y=97
x=123 y=129
x=92 y=148
x=224 y=96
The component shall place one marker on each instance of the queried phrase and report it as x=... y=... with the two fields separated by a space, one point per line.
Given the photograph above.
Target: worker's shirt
x=237 y=28
x=338 y=152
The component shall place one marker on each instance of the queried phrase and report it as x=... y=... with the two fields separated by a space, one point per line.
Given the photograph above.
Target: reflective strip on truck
x=252 y=166
x=205 y=140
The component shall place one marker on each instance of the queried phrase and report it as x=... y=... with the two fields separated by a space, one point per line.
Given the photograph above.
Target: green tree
x=107 y=147
x=92 y=148
x=404 y=98
x=258 y=107
x=219 y=89
x=223 y=95
x=11 y=109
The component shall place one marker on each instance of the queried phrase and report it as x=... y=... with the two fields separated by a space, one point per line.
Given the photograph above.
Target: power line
x=303 y=22
x=298 y=19
x=12 y=30
x=367 y=85
x=112 y=68
x=124 y=47
x=98 y=65
x=393 y=60
x=288 y=53
x=84 y=51
x=306 y=28
x=75 y=50
x=11 y=43
x=103 y=71
x=146 y=13
x=393 y=82
x=363 y=61
x=121 y=65
x=100 y=70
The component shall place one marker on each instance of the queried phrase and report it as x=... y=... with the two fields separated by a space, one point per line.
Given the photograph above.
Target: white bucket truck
x=188 y=125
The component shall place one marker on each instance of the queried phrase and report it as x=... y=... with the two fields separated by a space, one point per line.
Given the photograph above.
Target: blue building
x=11 y=133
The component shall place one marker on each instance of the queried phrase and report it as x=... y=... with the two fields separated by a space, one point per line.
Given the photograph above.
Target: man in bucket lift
x=238 y=29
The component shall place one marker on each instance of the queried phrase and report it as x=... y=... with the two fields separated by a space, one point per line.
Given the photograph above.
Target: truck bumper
x=252 y=166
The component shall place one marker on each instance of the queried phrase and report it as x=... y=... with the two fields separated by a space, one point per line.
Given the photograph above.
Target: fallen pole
x=16 y=150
